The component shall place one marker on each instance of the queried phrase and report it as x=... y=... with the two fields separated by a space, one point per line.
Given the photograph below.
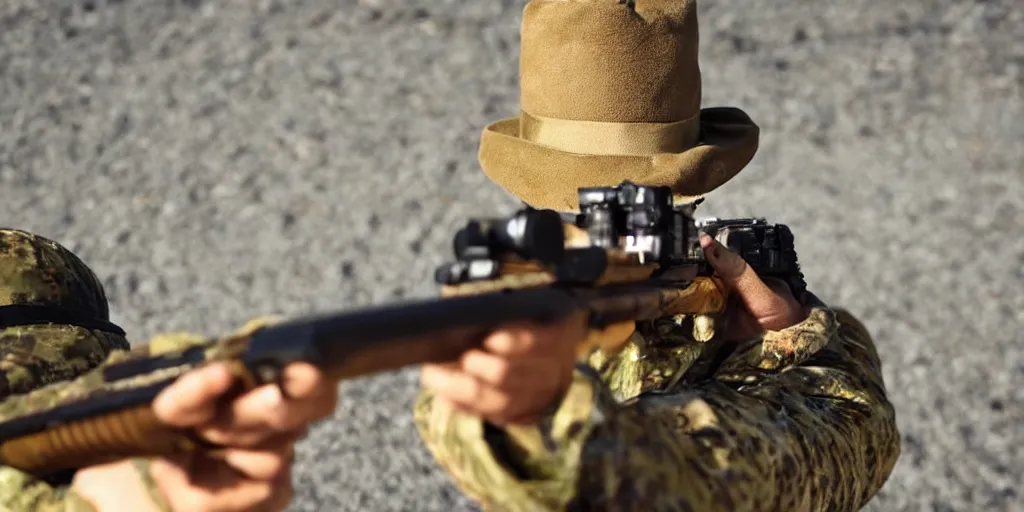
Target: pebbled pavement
x=217 y=160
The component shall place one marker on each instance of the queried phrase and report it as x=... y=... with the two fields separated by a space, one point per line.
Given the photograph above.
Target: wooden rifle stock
x=129 y=433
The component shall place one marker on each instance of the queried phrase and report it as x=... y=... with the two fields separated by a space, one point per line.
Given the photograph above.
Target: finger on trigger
x=729 y=265
x=192 y=399
x=772 y=308
x=759 y=299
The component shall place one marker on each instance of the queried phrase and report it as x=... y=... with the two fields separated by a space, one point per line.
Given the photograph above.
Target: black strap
x=26 y=314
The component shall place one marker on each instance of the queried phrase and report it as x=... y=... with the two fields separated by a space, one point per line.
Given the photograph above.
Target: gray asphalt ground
x=218 y=160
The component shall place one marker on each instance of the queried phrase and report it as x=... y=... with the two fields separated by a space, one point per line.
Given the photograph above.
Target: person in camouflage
x=784 y=409
x=56 y=338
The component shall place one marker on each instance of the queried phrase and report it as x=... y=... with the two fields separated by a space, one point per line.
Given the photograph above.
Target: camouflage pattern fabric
x=22 y=492
x=38 y=271
x=42 y=360
x=797 y=420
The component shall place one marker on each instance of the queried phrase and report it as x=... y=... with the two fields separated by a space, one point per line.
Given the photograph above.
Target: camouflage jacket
x=55 y=339
x=797 y=420
x=41 y=367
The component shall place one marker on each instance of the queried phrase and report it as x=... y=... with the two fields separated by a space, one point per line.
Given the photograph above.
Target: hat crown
x=610 y=60
x=37 y=271
x=610 y=90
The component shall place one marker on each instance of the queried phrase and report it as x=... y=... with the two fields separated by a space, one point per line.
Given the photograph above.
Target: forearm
x=793 y=433
x=475 y=456
x=720 y=450
x=592 y=453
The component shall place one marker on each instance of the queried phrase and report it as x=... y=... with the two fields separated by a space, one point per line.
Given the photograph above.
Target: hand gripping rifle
x=630 y=255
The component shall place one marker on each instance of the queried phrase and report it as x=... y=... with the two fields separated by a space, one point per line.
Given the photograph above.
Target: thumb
x=771 y=310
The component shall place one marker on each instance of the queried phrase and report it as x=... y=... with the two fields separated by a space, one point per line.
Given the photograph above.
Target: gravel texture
x=218 y=160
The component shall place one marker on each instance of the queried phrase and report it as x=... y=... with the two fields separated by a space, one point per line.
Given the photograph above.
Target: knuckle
x=472 y=390
x=497 y=403
x=735 y=266
x=280 y=420
x=499 y=341
x=778 y=286
x=434 y=376
x=530 y=339
x=284 y=417
x=501 y=371
x=469 y=359
x=275 y=467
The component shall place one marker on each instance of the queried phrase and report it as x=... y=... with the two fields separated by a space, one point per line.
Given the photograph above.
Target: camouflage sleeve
x=796 y=420
x=20 y=491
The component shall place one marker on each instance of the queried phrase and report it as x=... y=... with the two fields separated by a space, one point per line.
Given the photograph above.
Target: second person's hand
x=258 y=430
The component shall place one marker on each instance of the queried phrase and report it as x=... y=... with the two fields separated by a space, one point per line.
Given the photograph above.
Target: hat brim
x=545 y=177
x=38 y=355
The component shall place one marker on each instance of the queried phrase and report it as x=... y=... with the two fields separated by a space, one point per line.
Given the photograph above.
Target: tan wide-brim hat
x=611 y=91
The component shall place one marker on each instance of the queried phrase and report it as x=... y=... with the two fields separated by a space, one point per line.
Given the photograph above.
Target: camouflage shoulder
x=88 y=383
x=55 y=393
x=35 y=356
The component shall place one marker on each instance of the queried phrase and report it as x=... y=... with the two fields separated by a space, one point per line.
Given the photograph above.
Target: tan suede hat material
x=610 y=91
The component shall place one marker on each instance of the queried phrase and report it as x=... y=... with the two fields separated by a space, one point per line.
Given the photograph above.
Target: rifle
x=630 y=255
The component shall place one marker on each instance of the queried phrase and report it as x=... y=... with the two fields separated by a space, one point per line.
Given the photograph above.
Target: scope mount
x=636 y=219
